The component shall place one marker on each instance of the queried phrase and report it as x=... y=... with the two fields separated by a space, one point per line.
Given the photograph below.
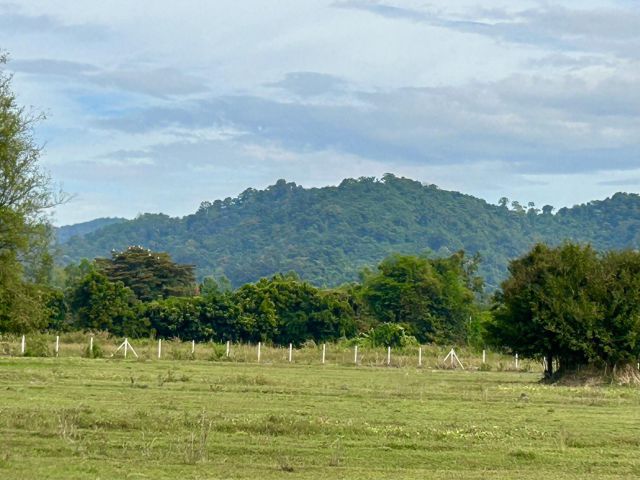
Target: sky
x=157 y=106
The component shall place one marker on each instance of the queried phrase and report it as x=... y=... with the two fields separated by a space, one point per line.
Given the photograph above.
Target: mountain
x=327 y=235
x=66 y=232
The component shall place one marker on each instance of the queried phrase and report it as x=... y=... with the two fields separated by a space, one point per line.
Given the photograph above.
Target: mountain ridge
x=329 y=234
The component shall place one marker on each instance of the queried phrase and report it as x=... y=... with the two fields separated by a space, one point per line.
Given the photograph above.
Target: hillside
x=64 y=233
x=329 y=234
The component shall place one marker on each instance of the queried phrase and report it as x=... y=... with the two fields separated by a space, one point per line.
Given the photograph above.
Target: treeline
x=140 y=293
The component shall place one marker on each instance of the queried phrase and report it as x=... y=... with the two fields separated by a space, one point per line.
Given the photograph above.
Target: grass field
x=73 y=418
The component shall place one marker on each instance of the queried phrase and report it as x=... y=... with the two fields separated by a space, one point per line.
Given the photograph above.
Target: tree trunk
x=548 y=373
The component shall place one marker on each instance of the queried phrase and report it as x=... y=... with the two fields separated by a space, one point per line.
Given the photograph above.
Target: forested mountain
x=328 y=235
x=64 y=233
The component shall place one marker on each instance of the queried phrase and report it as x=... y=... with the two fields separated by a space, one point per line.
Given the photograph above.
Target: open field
x=72 y=418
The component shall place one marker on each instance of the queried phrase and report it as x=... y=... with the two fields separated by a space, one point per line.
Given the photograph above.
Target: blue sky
x=156 y=106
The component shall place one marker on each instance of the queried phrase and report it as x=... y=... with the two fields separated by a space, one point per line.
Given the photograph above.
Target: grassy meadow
x=78 y=418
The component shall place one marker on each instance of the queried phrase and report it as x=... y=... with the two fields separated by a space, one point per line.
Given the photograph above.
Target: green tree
x=548 y=307
x=178 y=317
x=618 y=334
x=431 y=297
x=151 y=275
x=26 y=194
x=99 y=304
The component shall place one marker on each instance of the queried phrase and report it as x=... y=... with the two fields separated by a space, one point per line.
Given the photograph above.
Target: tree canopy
x=432 y=298
x=26 y=194
x=151 y=275
x=570 y=304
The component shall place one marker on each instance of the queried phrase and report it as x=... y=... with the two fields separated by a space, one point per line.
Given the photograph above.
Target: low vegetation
x=194 y=419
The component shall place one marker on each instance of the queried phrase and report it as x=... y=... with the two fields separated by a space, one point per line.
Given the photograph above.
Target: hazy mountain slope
x=329 y=234
x=64 y=233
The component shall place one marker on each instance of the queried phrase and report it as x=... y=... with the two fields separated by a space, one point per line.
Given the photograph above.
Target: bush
x=218 y=351
x=37 y=346
x=95 y=353
x=390 y=335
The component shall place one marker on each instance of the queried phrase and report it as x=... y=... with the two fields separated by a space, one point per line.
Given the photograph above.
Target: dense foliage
x=431 y=298
x=151 y=275
x=25 y=195
x=572 y=305
x=327 y=235
x=405 y=299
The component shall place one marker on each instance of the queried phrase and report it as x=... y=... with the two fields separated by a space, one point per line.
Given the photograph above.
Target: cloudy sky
x=156 y=106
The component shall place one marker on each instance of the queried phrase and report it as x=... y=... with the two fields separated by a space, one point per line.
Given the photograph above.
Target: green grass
x=75 y=418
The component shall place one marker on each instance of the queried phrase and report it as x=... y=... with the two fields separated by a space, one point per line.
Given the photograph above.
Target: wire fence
x=345 y=353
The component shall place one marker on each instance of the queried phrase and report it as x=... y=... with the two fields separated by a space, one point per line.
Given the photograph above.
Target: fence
x=343 y=353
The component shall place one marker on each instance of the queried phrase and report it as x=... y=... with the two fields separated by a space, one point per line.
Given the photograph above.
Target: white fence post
x=126 y=346
x=324 y=352
x=23 y=344
x=420 y=356
x=484 y=356
x=355 y=355
x=516 y=361
x=193 y=347
x=388 y=356
x=159 y=348
x=290 y=352
x=228 y=349
x=91 y=346
x=57 y=345
x=259 y=345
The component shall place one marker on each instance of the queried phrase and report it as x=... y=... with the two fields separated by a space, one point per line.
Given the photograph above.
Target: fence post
x=57 y=345
x=23 y=344
x=91 y=346
x=355 y=356
x=420 y=356
x=324 y=351
x=159 y=348
x=516 y=361
x=193 y=347
x=290 y=352
x=228 y=348
x=259 y=345
x=388 y=356
x=126 y=346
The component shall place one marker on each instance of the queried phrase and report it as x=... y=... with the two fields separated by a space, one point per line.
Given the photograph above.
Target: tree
x=99 y=304
x=26 y=194
x=570 y=304
x=178 y=318
x=618 y=335
x=151 y=275
x=431 y=297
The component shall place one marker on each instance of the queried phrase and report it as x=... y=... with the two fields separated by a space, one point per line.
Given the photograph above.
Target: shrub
x=390 y=335
x=37 y=346
x=95 y=353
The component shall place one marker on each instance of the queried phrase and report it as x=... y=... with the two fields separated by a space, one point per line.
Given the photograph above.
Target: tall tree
x=433 y=298
x=151 y=275
x=26 y=194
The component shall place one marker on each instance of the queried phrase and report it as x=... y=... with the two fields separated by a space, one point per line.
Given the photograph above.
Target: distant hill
x=66 y=232
x=327 y=235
